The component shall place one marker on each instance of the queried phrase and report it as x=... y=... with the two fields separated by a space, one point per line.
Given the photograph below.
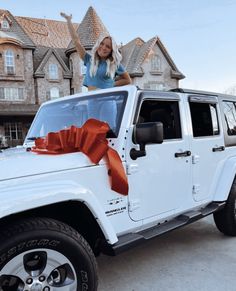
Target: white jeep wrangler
x=58 y=211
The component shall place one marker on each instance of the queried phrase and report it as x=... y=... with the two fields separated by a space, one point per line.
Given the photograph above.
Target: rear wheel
x=225 y=219
x=45 y=255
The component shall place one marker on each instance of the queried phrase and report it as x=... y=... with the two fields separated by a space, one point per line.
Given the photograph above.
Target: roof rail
x=190 y=91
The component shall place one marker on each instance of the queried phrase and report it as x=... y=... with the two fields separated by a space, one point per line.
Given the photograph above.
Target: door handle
x=218 y=149
x=183 y=154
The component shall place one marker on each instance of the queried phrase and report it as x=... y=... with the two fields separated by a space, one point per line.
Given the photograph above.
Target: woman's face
x=105 y=48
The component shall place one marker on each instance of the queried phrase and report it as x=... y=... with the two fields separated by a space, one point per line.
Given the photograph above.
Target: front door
x=160 y=182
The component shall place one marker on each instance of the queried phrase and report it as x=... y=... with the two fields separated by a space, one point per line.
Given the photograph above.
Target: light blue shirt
x=100 y=80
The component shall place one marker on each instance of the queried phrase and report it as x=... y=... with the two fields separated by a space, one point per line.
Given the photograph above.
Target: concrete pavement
x=196 y=257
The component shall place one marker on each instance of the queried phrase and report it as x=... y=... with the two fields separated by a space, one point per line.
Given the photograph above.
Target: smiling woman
x=104 y=69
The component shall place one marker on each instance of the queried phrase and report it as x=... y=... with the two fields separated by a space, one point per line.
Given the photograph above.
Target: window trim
x=150 y=95
x=155 y=63
x=53 y=71
x=203 y=99
x=230 y=140
x=18 y=129
x=54 y=89
x=9 y=62
x=165 y=98
x=8 y=93
x=210 y=101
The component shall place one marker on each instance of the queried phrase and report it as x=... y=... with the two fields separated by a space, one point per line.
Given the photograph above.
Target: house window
x=156 y=63
x=11 y=94
x=154 y=86
x=9 y=62
x=5 y=24
x=71 y=65
x=13 y=130
x=54 y=93
x=53 y=71
x=157 y=86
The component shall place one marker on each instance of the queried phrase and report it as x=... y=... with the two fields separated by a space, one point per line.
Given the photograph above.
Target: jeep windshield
x=52 y=117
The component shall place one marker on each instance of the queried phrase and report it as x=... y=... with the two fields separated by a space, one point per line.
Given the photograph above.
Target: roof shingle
x=46 y=32
x=136 y=51
x=16 y=31
x=89 y=29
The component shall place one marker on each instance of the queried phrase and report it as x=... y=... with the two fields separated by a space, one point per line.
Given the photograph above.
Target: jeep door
x=207 y=144
x=160 y=181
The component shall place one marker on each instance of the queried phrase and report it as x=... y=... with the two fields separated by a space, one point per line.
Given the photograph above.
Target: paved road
x=195 y=258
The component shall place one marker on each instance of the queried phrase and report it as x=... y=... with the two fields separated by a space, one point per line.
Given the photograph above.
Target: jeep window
x=56 y=116
x=166 y=112
x=204 y=119
x=230 y=117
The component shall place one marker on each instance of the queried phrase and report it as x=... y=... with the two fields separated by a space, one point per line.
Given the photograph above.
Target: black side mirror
x=149 y=132
x=146 y=133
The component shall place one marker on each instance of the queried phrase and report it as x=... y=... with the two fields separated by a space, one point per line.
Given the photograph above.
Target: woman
x=104 y=62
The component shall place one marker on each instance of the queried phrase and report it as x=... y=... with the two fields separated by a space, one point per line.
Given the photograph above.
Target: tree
x=231 y=90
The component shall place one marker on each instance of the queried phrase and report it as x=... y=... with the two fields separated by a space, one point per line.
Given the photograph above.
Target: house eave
x=177 y=75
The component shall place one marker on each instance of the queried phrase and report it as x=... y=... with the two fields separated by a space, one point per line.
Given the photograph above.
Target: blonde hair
x=113 y=61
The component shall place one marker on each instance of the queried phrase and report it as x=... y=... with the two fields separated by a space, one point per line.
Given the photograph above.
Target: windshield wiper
x=110 y=134
x=33 y=137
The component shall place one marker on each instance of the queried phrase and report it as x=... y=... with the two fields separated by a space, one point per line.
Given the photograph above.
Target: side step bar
x=133 y=239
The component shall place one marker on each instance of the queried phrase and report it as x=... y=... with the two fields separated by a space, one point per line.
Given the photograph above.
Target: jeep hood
x=17 y=162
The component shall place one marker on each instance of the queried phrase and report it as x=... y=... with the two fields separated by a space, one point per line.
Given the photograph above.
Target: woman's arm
x=123 y=79
x=80 y=49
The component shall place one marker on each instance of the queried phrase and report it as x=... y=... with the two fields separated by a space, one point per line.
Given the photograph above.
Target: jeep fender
x=17 y=199
x=225 y=180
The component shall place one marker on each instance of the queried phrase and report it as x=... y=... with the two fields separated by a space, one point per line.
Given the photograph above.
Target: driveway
x=196 y=257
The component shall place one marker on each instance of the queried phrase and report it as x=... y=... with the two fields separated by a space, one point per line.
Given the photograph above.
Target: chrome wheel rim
x=38 y=270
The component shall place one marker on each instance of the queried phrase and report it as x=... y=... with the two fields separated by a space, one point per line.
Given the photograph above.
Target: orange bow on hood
x=89 y=139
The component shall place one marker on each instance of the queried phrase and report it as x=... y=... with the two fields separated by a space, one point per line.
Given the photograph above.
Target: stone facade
x=76 y=64
x=157 y=72
x=43 y=64
x=46 y=83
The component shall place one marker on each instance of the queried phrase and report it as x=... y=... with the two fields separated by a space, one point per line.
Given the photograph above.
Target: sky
x=200 y=35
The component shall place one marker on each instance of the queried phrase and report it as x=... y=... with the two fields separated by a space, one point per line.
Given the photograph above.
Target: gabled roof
x=47 y=32
x=89 y=30
x=42 y=55
x=135 y=52
x=6 y=17
x=15 y=31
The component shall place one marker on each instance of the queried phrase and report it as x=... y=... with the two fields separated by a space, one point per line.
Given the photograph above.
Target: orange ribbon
x=91 y=140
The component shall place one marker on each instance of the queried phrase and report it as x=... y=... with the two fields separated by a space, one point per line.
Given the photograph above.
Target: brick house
x=38 y=62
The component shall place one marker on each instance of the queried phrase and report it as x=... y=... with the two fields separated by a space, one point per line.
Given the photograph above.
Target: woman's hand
x=123 y=79
x=74 y=35
x=67 y=17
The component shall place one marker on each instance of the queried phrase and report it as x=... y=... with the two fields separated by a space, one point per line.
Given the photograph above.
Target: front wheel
x=225 y=219
x=45 y=255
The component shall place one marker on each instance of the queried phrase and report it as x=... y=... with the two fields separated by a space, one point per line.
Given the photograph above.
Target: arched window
x=156 y=63
x=9 y=62
x=53 y=71
x=54 y=93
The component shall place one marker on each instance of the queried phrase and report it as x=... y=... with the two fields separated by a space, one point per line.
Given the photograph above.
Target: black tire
x=225 y=219
x=48 y=254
